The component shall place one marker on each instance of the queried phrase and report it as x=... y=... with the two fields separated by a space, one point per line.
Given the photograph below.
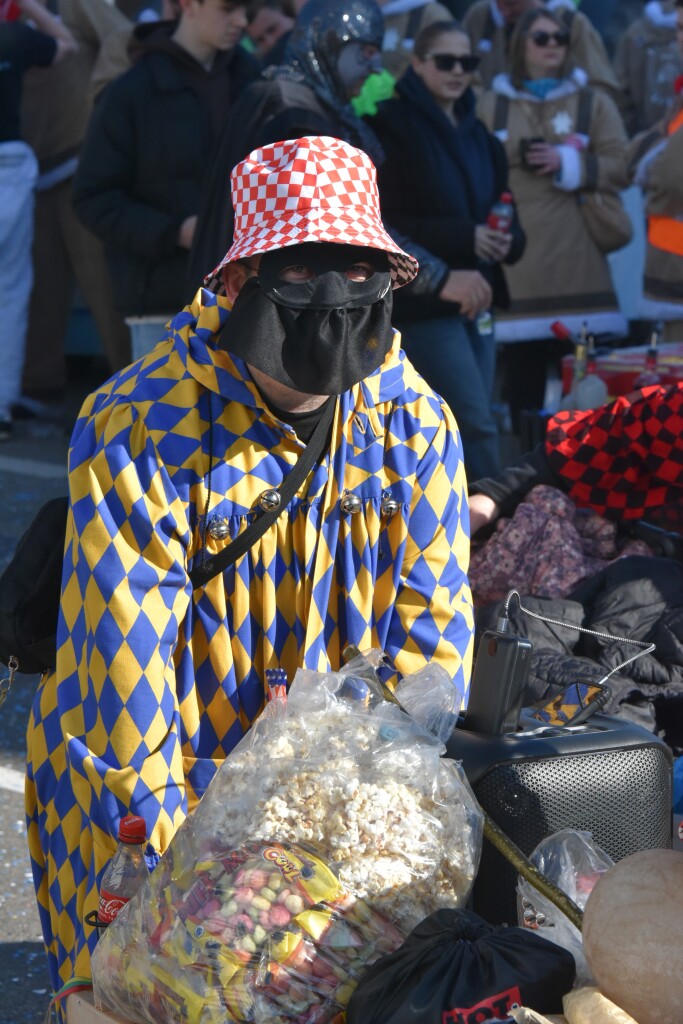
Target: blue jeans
x=18 y=174
x=459 y=364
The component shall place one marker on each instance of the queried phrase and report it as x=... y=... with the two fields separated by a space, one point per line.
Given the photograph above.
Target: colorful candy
x=266 y=944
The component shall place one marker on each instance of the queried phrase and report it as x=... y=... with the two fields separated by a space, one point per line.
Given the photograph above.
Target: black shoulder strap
x=201 y=574
x=489 y=26
x=584 y=111
x=500 y=113
x=414 y=22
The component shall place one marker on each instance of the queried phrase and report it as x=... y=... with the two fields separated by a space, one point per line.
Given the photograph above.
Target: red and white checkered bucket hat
x=315 y=189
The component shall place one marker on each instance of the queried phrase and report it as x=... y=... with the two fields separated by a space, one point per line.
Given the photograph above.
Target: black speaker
x=607 y=777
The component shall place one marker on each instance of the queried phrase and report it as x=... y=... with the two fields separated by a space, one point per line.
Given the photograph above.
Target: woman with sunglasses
x=442 y=173
x=562 y=141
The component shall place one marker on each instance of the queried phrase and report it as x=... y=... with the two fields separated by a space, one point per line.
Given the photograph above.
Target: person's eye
x=297 y=273
x=360 y=272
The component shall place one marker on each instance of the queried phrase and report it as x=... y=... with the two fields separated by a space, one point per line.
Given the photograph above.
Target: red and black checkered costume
x=624 y=460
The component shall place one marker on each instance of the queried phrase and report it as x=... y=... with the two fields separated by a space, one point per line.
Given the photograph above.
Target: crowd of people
x=136 y=131
x=251 y=196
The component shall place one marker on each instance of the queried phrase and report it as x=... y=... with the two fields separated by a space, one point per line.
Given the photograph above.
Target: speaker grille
x=623 y=797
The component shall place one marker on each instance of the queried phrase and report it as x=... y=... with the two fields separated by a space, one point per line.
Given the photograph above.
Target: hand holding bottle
x=490 y=245
x=492 y=240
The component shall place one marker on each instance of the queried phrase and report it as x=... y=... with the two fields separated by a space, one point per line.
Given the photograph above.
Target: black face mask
x=320 y=336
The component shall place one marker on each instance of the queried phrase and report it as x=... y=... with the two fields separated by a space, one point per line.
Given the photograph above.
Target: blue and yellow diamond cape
x=155 y=683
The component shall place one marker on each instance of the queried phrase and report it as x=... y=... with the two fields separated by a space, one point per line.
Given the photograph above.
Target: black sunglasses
x=446 y=62
x=543 y=38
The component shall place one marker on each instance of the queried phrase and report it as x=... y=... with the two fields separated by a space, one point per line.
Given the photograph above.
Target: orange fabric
x=666 y=233
x=676 y=122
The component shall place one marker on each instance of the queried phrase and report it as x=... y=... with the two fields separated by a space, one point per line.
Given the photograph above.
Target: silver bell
x=270 y=499
x=218 y=528
x=389 y=505
x=350 y=503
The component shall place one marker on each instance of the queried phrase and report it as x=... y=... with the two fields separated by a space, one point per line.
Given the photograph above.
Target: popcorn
x=389 y=819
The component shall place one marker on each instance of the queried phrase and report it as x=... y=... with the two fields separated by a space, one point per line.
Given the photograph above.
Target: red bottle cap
x=560 y=330
x=9 y=11
x=506 y=197
x=132 y=829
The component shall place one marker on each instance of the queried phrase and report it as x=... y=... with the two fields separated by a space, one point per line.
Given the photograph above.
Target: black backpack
x=30 y=589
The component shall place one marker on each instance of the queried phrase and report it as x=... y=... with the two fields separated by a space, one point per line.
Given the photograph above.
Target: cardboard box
x=80 y=1009
x=620 y=367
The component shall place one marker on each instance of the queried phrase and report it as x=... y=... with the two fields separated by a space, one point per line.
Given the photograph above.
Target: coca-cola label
x=110 y=906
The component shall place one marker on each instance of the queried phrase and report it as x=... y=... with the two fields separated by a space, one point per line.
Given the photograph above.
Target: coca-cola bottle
x=126 y=871
x=501 y=213
x=500 y=219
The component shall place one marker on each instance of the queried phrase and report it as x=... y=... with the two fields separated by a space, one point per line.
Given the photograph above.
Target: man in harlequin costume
x=157 y=682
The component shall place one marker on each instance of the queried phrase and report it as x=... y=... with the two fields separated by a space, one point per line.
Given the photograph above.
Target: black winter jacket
x=143 y=164
x=637 y=598
x=437 y=183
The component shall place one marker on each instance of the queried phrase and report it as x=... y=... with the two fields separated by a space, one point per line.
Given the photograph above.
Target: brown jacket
x=55 y=106
x=646 y=63
x=562 y=272
x=485 y=26
x=656 y=159
x=400 y=31
x=112 y=60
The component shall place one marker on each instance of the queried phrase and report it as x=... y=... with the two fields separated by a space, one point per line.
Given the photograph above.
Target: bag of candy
x=326 y=835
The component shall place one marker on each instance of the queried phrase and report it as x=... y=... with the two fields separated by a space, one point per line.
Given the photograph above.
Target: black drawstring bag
x=454 y=968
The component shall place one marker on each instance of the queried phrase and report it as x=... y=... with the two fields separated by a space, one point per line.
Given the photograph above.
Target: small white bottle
x=591 y=391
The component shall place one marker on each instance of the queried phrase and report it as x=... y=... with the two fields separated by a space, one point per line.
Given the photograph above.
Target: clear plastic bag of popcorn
x=362 y=789
x=430 y=697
